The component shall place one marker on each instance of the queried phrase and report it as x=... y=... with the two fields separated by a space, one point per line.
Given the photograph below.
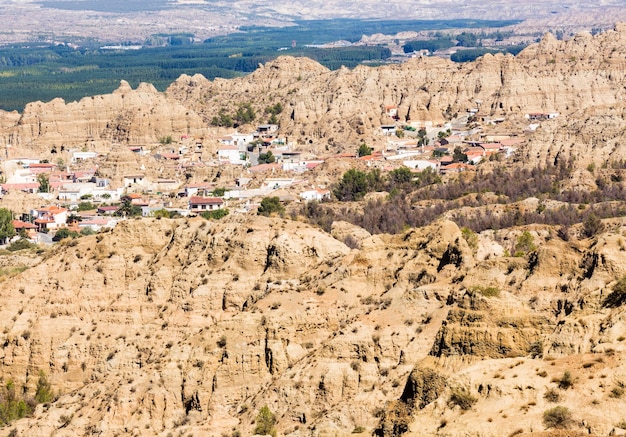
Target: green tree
x=12 y=406
x=525 y=244
x=422 y=139
x=222 y=119
x=400 y=176
x=352 y=186
x=127 y=209
x=64 y=233
x=86 y=206
x=218 y=192
x=271 y=205
x=245 y=114
x=44 y=391
x=265 y=422
x=161 y=213
x=267 y=158
x=6 y=225
x=364 y=150
x=44 y=183
x=458 y=155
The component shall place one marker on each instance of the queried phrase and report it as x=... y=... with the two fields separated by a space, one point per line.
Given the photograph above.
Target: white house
x=315 y=194
x=83 y=156
x=133 y=179
x=421 y=164
x=106 y=194
x=388 y=129
x=275 y=183
x=201 y=204
x=72 y=192
x=50 y=217
x=237 y=139
x=231 y=155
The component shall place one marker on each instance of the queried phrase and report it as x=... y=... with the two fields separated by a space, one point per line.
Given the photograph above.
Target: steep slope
x=194 y=326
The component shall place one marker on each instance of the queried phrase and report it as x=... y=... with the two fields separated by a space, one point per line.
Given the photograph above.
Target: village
x=85 y=191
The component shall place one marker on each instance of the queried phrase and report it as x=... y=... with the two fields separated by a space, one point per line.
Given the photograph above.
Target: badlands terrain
x=191 y=327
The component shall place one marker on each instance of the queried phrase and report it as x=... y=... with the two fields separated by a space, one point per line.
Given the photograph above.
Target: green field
x=31 y=72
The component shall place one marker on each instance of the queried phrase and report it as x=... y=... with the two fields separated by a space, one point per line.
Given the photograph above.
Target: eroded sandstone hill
x=343 y=106
x=127 y=116
x=333 y=110
x=191 y=328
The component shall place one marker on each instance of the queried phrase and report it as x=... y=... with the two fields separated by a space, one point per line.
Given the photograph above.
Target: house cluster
x=449 y=154
x=252 y=151
x=77 y=197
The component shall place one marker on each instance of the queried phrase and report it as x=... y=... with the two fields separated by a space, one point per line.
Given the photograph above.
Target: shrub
x=216 y=214
x=265 y=422
x=525 y=243
x=87 y=230
x=557 y=417
x=536 y=349
x=461 y=397
x=222 y=341
x=618 y=390
x=592 y=225
x=64 y=233
x=165 y=140
x=161 y=213
x=618 y=296
x=21 y=244
x=271 y=205
x=566 y=381
x=86 y=206
x=486 y=291
x=552 y=395
x=470 y=237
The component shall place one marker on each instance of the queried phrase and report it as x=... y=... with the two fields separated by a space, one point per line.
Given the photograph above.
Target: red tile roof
x=205 y=200
x=18 y=224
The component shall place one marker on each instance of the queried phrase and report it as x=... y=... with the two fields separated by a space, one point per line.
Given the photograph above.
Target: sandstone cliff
x=139 y=116
x=341 y=107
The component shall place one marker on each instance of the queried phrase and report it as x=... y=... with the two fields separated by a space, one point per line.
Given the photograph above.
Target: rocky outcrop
x=343 y=106
x=128 y=116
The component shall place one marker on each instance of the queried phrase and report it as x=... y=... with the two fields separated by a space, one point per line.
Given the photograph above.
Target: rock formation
x=140 y=116
x=194 y=326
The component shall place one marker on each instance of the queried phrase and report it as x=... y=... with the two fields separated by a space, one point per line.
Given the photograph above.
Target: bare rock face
x=126 y=116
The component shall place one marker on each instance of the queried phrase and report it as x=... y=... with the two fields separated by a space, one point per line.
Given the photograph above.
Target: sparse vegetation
x=618 y=295
x=558 y=417
x=485 y=291
x=552 y=395
x=536 y=349
x=566 y=381
x=462 y=397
